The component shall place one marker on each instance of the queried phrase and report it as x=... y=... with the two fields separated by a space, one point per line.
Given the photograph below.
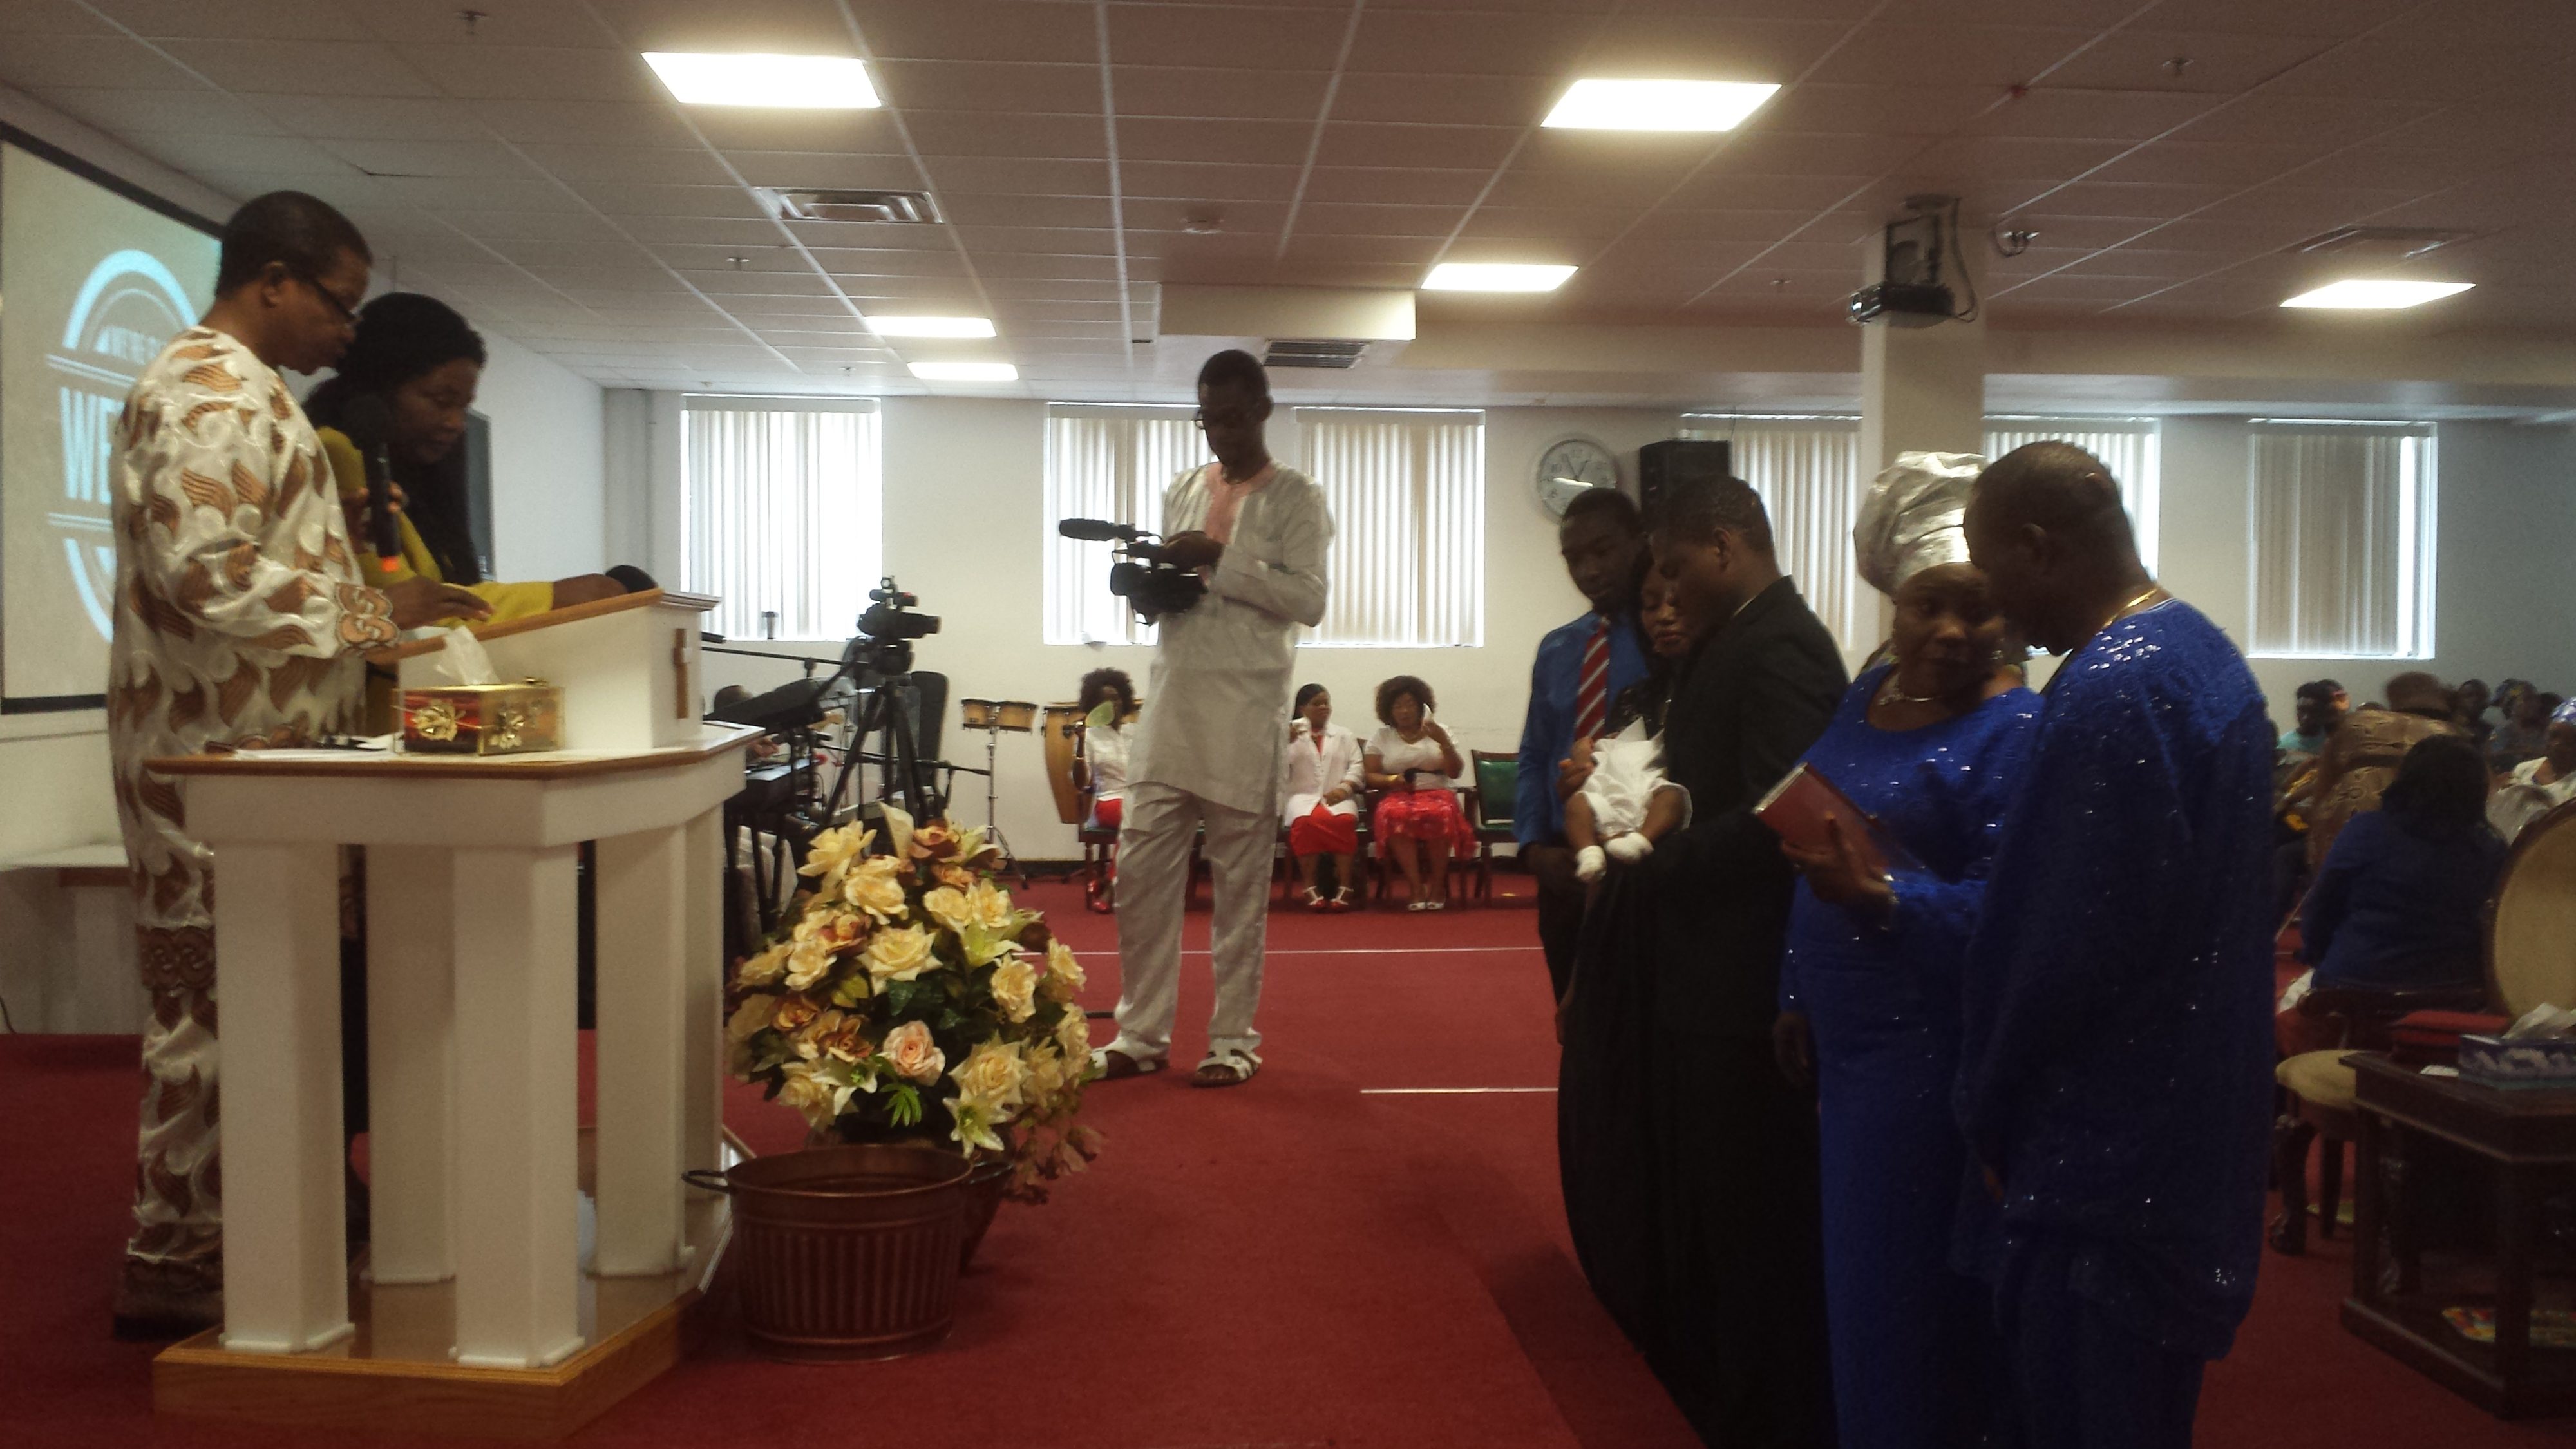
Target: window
x=781 y=512
x=2129 y=447
x=1807 y=470
x=2341 y=521
x=1407 y=492
x=1113 y=463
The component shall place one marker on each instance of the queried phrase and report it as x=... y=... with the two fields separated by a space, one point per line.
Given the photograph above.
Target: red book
x=1798 y=807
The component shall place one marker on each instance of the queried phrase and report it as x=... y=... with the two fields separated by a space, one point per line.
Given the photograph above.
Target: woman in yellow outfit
x=424 y=361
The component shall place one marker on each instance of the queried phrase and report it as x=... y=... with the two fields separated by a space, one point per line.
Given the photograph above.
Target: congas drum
x=1018 y=715
x=1063 y=731
x=978 y=714
x=2531 y=944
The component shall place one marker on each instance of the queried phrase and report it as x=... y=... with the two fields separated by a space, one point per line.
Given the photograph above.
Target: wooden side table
x=2528 y=1137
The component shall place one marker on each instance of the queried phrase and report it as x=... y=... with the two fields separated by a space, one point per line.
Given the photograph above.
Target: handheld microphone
x=1098 y=530
x=368 y=421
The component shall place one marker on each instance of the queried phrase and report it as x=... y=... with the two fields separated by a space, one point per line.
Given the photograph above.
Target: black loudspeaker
x=1679 y=460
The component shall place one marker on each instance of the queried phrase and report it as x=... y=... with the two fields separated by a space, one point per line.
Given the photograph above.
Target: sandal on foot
x=1314 y=899
x=1111 y=1065
x=1340 y=902
x=1229 y=1068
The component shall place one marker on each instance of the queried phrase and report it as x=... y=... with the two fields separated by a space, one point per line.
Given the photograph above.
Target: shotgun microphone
x=369 y=422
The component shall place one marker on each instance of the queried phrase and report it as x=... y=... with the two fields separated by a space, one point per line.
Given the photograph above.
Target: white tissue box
x=2518 y=1064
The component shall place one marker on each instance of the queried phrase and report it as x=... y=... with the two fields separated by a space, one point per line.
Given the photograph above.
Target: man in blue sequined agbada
x=2116 y=1063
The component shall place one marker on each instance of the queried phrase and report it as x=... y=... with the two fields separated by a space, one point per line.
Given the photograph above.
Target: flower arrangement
x=909 y=996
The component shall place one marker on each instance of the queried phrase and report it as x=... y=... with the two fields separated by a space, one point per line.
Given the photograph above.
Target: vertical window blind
x=1807 y=470
x=1114 y=463
x=1407 y=493
x=2341 y=518
x=2129 y=447
x=781 y=511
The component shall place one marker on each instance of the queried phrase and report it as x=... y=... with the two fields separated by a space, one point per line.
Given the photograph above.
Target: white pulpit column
x=643 y=942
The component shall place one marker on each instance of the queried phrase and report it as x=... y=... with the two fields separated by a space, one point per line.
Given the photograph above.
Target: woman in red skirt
x=1319 y=783
x=1418 y=821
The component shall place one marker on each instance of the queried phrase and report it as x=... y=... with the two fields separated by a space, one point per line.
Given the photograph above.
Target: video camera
x=886 y=632
x=1151 y=585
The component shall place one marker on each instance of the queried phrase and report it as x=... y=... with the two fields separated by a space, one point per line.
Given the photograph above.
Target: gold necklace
x=2134 y=602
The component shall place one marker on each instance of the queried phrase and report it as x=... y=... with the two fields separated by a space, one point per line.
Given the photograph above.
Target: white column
x=518 y=1267
x=702 y=977
x=277 y=953
x=643 y=947
x=1923 y=389
x=411 y=1063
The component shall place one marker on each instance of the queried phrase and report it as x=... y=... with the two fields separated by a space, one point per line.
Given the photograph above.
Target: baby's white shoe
x=1630 y=848
x=1589 y=863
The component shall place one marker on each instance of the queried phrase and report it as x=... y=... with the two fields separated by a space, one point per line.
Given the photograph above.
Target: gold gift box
x=483 y=719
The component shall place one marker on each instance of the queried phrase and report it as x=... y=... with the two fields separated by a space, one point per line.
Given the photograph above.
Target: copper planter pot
x=846 y=1253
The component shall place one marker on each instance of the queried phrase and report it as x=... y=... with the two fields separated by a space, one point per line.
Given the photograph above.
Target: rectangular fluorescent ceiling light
x=1495 y=277
x=965 y=372
x=2376 y=296
x=1657 y=105
x=930 y=326
x=793 y=82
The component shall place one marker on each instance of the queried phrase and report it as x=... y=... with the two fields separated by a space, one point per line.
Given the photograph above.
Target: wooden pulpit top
x=597 y=608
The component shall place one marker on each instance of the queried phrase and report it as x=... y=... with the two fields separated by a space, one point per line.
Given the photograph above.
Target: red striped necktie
x=1592 y=687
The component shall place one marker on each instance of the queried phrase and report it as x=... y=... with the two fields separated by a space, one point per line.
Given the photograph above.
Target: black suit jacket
x=1746 y=707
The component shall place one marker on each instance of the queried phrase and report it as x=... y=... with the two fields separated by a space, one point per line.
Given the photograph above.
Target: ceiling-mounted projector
x=1911 y=292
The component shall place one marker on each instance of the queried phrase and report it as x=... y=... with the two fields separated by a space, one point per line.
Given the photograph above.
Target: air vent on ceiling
x=2412 y=241
x=913 y=208
x=1339 y=354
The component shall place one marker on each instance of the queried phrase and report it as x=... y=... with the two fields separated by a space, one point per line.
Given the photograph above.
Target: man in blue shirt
x=1581 y=668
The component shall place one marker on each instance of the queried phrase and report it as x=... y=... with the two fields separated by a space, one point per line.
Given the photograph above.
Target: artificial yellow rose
x=953 y=875
x=1063 y=974
x=808 y=961
x=936 y=840
x=1015 y=985
x=992 y=906
x=826 y=1024
x=916 y=1058
x=843 y=1038
x=950 y=907
x=994 y=1075
x=818 y=1097
x=874 y=888
x=751 y=1016
x=899 y=954
x=1073 y=1036
x=793 y=1013
x=830 y=855
x=1046 y=1076
x=763 y=969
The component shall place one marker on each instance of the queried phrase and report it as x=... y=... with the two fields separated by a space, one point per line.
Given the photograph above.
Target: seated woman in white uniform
x=1418 y=822
x=1108 y=705
x=1319 y=786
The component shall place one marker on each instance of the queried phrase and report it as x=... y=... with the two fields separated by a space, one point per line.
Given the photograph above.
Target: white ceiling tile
x=567 y=226
x=738 y=129
x=787 y=27
x=35 y=62
x=534 y=73
x=505 y=24
x=1214 y=36
x=1274 y=143
x=1176 y=91
x=631 y=198
x=1403 y=42
x=301 y=67
x=1414 y=186
x=807 y=288
x=970 y=209
x=1711 y=47
x=1201 y=181
x=1973 y=55
x=584 y=123
x=1334 y=218
x=1006 y=175
x=663 y=165
x=235 y=19
x=999 y=88
x=472 y=159
x=980 y=30
x=445 y=193
x=199 y=112
x=968 y=133
x=856 y=261
x=22 y=18
x=825 y=168
x=1353 y=144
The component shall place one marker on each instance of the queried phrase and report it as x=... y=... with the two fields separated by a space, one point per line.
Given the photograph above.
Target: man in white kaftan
x=1206 y=753
x=240 y=614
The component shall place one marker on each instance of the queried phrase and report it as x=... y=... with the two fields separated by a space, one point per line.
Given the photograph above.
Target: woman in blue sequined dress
x=1928 y=745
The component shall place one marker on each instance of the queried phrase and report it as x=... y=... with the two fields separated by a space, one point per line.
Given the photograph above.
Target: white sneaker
x=1630 y=848
x=1589 y=863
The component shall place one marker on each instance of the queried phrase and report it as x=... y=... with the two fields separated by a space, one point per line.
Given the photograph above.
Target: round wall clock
x=1569 y=468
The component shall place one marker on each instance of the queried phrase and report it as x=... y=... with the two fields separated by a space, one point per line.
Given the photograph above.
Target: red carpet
x=1292 y=1263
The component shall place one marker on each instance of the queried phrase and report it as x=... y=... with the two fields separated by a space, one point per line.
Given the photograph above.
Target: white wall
x=549 y=466
x=2505 y=504
x=963 y=529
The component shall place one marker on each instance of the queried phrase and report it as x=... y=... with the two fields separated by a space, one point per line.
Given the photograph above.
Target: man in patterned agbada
x=240 y=617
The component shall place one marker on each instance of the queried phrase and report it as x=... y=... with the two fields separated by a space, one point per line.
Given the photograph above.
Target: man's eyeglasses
x=347 y=314
x=1222 y=417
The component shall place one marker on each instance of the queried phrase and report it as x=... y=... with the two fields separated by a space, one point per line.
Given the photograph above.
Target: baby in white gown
x=1626 y=805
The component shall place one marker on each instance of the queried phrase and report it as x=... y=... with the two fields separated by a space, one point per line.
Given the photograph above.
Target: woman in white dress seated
x=1319 y=785
x=1108 y=705
x=2536 y=787
x=1418 y=822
